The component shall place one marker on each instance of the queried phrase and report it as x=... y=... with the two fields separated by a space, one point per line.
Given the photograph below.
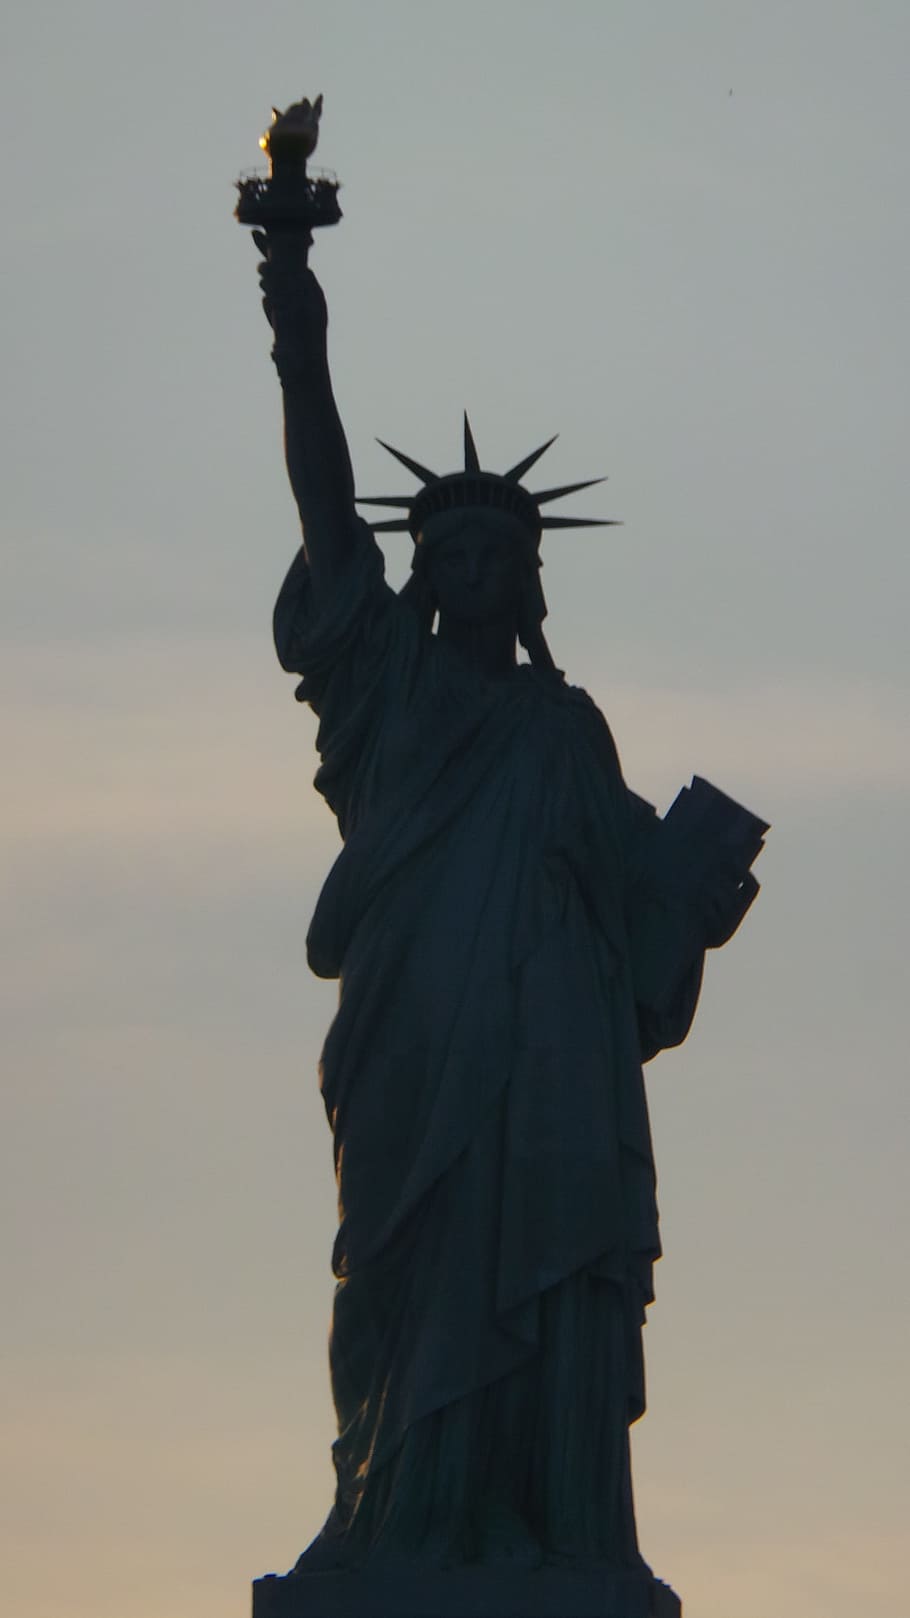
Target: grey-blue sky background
x=562 y=218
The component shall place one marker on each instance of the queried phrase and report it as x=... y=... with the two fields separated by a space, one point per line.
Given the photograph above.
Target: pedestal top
x=548 y=1592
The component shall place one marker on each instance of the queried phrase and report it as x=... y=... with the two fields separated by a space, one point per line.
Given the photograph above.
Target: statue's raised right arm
x=319 y=466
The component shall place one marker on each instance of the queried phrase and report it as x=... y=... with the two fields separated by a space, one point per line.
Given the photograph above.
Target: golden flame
x=294 y=131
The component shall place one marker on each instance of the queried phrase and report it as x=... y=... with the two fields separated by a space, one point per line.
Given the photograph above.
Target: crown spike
x=398 y=525
x=567 y=488
x=419 y=471
x=385 y=500
x=471 y=460
x=579 y=522
x=518 y=471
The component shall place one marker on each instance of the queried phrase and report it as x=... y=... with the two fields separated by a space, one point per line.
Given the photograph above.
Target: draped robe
x=482 y=1076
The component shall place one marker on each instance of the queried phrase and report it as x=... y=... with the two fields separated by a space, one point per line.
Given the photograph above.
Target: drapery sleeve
x=357 y=647
x=313 y=639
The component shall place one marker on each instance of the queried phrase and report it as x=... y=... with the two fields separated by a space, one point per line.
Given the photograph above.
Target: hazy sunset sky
x=677 y=234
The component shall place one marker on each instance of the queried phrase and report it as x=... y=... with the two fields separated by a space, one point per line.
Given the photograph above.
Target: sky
x=677 y=236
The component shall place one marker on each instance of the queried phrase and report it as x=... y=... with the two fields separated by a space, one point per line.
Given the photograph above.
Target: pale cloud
x=698 y=322
x=794 y=741
x=189 y=756
x=111 y=1455
x=197 y=749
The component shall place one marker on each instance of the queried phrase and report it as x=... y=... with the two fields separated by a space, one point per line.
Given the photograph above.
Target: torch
x=289 y=199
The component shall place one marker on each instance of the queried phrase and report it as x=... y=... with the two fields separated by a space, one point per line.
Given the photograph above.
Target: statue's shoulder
x=586 y=713
x=572 y=709
x=598 y=736
x=581 y=703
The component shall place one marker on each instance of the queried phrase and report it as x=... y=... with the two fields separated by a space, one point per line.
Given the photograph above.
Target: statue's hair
x=532 y=610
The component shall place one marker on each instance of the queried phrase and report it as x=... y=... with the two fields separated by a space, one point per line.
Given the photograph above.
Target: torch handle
x=284 y=263
x=286 y=247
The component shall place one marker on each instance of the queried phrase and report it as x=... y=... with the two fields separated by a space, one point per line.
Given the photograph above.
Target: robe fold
x=483 y=1074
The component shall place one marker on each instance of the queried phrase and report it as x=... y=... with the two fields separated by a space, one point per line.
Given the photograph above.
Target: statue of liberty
x=515 y=933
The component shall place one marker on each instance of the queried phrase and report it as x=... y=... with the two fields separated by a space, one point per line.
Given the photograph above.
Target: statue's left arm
x=670 y=928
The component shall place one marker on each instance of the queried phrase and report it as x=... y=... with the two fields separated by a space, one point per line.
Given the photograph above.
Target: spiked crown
x=474 y=488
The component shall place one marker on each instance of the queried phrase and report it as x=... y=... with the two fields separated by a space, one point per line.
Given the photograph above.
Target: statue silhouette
x=514 y=932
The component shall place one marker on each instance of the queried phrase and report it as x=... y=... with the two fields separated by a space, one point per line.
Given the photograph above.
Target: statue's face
x=473 y=563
